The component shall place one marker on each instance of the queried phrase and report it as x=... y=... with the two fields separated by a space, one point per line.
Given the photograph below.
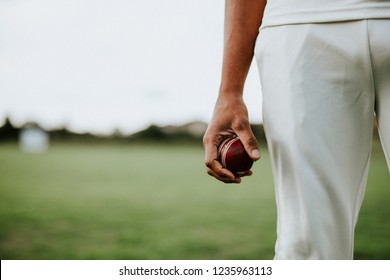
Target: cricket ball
x=232 y=155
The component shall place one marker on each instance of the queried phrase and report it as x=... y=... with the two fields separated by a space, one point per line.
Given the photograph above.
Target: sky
x=100 y=65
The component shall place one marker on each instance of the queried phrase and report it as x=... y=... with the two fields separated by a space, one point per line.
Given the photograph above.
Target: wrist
x=231 y=92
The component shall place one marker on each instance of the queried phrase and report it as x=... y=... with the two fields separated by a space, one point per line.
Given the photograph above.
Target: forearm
x=242 y=21
x=230 y=117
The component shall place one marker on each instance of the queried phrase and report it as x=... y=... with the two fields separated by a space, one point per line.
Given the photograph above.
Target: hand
x=230 y=118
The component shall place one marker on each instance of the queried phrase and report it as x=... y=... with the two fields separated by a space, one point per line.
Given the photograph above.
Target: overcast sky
x=97 y=65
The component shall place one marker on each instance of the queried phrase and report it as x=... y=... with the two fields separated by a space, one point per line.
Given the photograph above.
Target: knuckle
x=209 y=163
x=251 y=141
x=208 y=139
x=205 y=139
x=241 y=125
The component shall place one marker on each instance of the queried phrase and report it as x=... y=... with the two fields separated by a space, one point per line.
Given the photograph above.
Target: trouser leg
x=318 y=109
x=379 y=36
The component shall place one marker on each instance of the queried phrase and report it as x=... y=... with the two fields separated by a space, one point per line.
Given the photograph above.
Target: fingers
x=245 y=173
x=214 y=167
x=230 y=119
x=216 y=170
x=248 y=139
x=222 y=174
x=225 y=175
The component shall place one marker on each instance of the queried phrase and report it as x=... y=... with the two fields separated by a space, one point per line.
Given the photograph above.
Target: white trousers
x=321 y=85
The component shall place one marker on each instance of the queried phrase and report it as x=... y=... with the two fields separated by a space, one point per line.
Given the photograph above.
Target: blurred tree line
x=8 y=132
x=191 y=133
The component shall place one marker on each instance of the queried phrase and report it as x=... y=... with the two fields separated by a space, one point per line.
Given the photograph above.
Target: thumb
x=249 y=141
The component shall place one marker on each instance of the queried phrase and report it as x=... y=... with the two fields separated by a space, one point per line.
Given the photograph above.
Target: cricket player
x=324 y=68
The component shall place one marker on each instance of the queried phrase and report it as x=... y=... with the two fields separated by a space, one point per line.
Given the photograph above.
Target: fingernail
x=256 y=154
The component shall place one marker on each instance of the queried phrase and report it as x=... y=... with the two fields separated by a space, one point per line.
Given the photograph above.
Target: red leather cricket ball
x=232 y=155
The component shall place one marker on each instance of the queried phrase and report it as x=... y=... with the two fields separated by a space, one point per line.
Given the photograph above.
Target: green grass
x=151 y=202
x=372 y=236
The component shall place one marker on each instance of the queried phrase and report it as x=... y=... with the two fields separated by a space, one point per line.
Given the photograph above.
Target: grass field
x=151 y=202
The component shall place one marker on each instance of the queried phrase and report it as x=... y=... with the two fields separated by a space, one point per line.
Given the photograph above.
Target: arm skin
x=230 y=117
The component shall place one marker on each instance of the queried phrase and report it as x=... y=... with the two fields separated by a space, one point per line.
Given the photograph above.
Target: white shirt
x=281 y=12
